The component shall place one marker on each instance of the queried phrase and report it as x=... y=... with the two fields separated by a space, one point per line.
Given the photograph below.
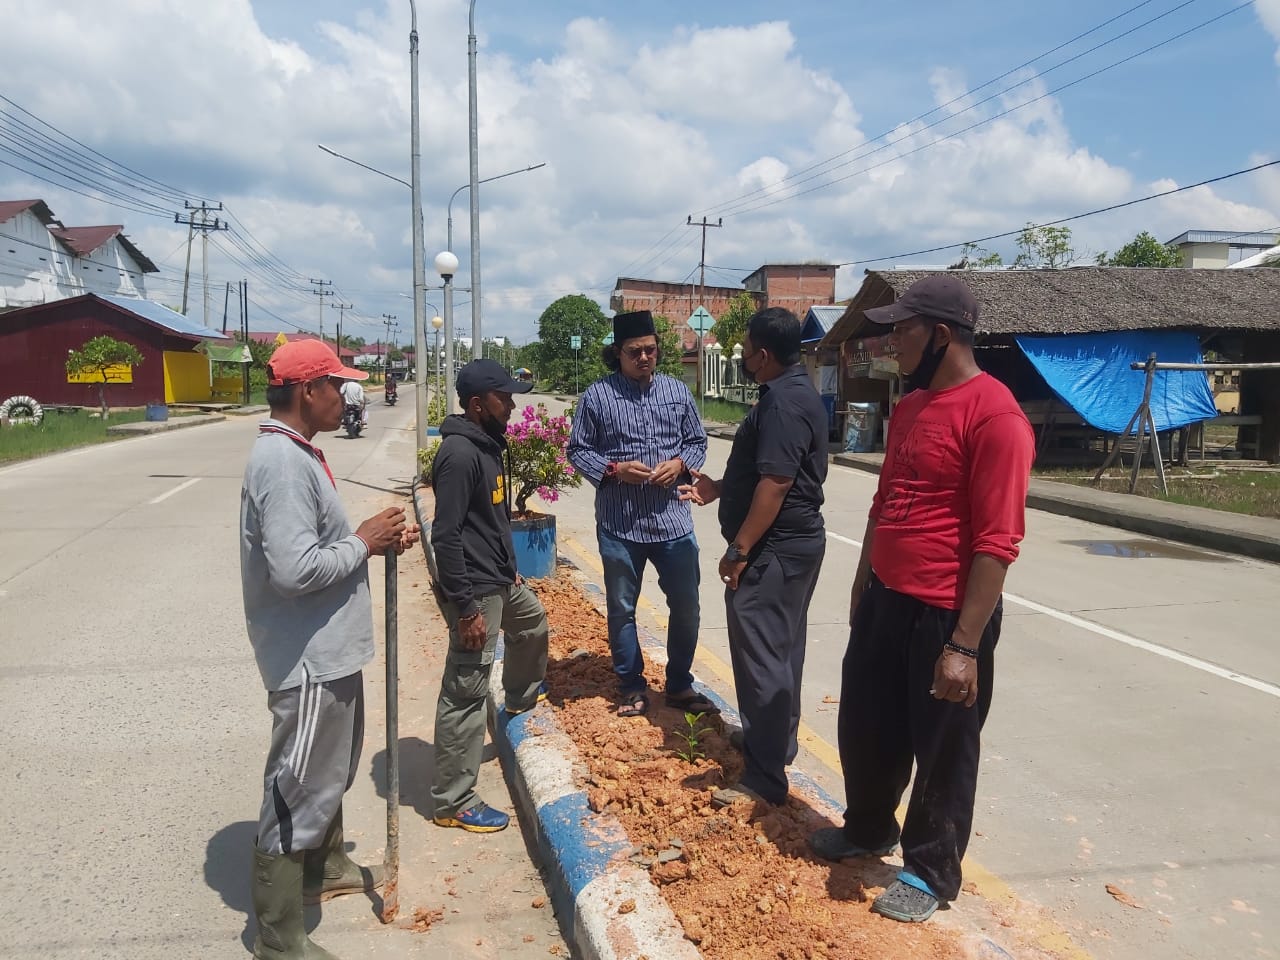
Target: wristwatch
x=733 y=553
x=610 y=470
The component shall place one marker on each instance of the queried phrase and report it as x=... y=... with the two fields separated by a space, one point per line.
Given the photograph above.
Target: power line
x=728 y=205
x=1003 y=113
x=1054 y=223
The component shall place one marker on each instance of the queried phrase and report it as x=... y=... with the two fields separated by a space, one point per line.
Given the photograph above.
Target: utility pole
x=342 y=308
x=204 y=225
x=322 y=293
x=387 y=320
x=702 y=287
x=244 y=336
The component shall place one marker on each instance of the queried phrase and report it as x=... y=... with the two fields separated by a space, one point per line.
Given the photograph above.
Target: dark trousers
x=768 y=626
x=889 y=720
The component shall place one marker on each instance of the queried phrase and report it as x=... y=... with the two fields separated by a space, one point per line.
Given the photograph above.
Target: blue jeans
x=677 y=564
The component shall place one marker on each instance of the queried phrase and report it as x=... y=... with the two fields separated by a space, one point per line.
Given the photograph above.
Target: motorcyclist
x=391 y=386
x=353 y=395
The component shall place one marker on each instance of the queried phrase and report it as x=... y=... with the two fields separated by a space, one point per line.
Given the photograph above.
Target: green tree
x=558 y=363
x=732 y=325
x=103 y=356
x=974 y=257
x=1144 y=250
x=669 y=348
x=1044 y=247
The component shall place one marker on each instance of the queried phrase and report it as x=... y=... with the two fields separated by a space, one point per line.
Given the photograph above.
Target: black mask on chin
x=922 y=375
x=492 y=425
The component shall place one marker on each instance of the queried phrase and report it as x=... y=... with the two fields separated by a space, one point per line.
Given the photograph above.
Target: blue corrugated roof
x=819 y=320
x=164 y=317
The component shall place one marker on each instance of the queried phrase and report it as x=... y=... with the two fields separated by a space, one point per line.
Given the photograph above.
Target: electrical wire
x=1054 y=223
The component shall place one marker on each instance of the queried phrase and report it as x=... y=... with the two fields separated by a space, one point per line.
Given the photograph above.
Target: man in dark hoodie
x=479 y=593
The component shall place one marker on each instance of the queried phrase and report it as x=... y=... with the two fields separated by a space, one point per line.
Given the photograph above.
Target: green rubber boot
x=329 y=872
x=277 y=903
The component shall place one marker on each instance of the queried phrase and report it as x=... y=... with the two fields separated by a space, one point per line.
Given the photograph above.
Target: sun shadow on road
x=417 y=771
x=227 y=865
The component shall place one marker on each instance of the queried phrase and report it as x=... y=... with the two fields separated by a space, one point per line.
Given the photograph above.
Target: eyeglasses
x=635 y=353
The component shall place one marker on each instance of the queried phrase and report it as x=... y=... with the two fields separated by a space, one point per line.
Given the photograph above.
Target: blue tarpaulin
x=1090 y=373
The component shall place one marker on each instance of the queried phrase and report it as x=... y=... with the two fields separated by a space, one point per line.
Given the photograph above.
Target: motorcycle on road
x=352 y=421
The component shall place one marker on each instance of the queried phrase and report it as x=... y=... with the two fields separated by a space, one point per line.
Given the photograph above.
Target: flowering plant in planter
x=536 y=444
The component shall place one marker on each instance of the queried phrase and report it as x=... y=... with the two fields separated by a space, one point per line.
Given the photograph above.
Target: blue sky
x=645 y=114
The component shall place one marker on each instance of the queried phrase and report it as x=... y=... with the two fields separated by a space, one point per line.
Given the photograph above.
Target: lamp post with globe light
x=447 y=265
x=436 y=323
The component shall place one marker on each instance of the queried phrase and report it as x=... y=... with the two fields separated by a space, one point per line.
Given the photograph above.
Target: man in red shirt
x=925 y=608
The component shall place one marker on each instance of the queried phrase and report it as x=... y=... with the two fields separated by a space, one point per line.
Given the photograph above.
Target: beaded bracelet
x=967 y=651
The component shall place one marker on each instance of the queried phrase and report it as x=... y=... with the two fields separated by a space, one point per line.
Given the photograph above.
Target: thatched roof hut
x=1236 y=312
x=1089 y=300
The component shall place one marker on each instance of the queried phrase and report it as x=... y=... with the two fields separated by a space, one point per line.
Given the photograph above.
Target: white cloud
x=1269 y=14
x=636 y=136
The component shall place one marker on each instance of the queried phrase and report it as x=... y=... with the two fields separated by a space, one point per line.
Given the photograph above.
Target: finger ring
x=964 y=691
x=725 y=579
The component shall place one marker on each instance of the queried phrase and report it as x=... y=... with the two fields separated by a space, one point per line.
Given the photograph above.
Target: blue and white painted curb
x=608 y=906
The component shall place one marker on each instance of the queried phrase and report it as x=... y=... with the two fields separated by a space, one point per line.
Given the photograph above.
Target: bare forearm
x=766 y=503
x=982 y=593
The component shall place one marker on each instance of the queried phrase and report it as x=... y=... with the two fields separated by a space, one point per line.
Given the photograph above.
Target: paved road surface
x=136 y=726
x=1117 y=752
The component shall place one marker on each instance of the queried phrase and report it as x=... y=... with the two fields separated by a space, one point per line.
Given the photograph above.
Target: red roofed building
x=42 y=261
x=266 y=336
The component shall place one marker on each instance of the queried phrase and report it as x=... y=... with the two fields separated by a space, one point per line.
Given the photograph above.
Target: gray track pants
x=317 y=731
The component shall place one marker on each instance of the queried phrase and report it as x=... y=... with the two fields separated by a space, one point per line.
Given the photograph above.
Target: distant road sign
x=700 y=321
x=575 y=342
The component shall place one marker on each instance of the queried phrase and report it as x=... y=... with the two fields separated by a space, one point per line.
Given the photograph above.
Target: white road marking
x=1128 y=639
x=178 y=489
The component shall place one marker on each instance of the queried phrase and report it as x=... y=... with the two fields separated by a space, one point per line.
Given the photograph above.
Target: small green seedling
x=691 y=733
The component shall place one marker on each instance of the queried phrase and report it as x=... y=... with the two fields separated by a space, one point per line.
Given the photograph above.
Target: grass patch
x=1255 y=492
x=61 y=431
x=723 y=411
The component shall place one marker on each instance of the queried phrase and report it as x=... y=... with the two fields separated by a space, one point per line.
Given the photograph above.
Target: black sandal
x=692 y=702
x=635 y=704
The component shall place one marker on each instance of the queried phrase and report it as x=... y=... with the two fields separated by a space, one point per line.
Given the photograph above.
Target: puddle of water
x=1147 y=549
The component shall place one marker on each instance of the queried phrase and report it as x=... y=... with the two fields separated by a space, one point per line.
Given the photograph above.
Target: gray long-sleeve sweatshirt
x=304 y=572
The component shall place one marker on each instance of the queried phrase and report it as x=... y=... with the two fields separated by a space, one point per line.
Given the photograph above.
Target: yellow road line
x=1044 y=932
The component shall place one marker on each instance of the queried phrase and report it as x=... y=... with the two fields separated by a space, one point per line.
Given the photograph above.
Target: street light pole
x=447 y=266
x=437 y=322
x=476 y=348
x=465 y=186
x=419 y=255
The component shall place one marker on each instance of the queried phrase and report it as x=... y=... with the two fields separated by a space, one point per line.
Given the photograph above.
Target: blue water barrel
x=157 y=412
x=535 y=543
x=862 y=427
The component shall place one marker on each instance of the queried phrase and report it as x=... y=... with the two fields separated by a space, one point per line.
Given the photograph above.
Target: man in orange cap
x=310 y=620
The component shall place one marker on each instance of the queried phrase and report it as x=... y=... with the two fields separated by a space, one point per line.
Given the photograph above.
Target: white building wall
x=36 y=268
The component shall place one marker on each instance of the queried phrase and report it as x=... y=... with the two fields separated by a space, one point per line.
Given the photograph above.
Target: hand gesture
x=408 y=537
x=955 y=678
x=667 y=472
x=702 y=491
x=383 y=530
x=633 y=471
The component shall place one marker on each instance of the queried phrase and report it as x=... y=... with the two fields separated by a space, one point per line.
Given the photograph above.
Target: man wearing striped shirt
x=636 y=434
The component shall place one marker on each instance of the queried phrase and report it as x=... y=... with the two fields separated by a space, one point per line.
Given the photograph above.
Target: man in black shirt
x=771 y=516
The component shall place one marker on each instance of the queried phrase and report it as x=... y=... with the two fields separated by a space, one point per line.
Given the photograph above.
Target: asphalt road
x=1132 y=739
x=135 y=724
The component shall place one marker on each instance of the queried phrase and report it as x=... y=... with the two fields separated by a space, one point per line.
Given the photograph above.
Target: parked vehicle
x=352 y=421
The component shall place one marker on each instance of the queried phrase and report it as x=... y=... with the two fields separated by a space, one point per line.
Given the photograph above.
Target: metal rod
x=391 y=860
x=1144 y=420
x=1207 y=366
